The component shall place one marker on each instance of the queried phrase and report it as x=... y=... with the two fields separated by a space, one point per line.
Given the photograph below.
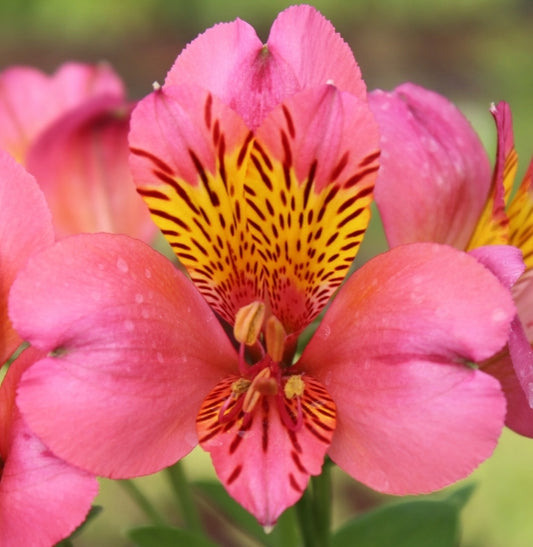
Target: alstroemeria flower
x=266 y=207
x=70 y=131
x=435 y=184
x=42 y=498
x=31 y=100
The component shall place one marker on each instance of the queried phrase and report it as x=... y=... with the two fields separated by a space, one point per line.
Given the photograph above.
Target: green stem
x=184 y=497
x=314 y=511
x=142 y=501
x=322 y=504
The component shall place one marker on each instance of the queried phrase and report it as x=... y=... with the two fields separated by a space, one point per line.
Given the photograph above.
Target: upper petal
x=189 y=158
x=435 y=175
x=284 y=211
x=308 y=189
x=81 y=163
x=302 y=50
x=133 y=350
x=25 y=228
x=392 y=352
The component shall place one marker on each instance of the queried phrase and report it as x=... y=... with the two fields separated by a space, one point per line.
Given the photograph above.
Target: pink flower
x=42 y=498
x=435 y=184
x=265 y=200
x=70 y=131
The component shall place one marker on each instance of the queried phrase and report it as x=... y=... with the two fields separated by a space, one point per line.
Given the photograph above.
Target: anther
x=262 y=384
x=275 y=336
x=249 y=322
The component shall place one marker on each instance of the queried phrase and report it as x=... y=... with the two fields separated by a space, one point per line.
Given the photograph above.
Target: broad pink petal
x=435 y=175
x=392 y=350
x=25 y=228
x=30 y=99
x=303 y=50
x=133 y=350
x=81 y=163
x=42 y=499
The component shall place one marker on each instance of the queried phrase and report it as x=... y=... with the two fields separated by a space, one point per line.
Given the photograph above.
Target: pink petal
x=392 y=350
x=30 y=99
x=506 y=264
x=42 y=499
x=302 y=50
x=74 y=83
x=308 y=43
x=435 y=175
x=263 y=464
x=81 y=163
x=25 y=228
x=504 y=261
x=519 y=413
x=133 y=350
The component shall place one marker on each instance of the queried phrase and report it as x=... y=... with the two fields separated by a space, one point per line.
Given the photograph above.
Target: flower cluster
x=260 y=174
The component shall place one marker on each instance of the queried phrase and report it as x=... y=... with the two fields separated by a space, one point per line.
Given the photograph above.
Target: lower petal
x=264 y=458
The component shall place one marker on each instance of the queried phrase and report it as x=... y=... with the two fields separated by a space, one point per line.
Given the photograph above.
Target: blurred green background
x=473 y=51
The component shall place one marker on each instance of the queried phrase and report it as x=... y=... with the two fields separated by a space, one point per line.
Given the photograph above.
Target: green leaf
x=165 y=536
x=424 y=523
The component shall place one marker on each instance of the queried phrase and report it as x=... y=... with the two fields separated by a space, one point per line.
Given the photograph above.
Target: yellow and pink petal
x=276 y=215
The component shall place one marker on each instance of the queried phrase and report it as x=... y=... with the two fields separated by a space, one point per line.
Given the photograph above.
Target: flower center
x=266 y=377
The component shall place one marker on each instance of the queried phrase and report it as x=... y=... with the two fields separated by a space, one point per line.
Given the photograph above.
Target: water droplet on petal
x=139 y=298
x=159 y=357
x=122 y=265
x=147 y=273
x=499 y=315
x=128 y=325
x=325 y=331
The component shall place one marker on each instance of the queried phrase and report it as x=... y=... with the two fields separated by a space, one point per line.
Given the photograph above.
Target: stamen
x=275 y=337
x=262 y=384
x=248 y=323
x=294 y=386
